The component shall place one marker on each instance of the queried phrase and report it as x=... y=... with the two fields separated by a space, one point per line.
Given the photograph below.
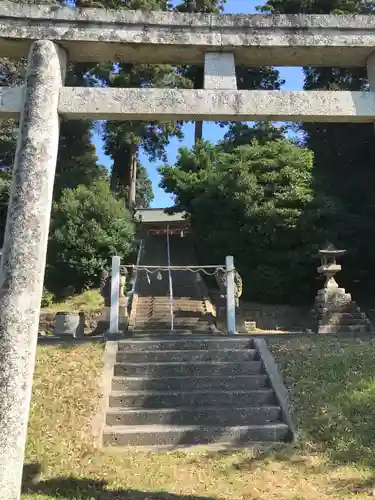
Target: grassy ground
x=88 y=301
x=333 y=387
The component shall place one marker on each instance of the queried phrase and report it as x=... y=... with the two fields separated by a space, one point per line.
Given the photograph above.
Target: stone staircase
x=153 y=311
x=185 y=391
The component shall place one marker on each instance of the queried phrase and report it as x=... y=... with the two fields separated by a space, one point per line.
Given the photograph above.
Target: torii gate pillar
x=24 y=253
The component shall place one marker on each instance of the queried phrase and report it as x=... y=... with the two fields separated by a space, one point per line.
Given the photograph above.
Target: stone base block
x=69 y=323
x=342 y=328
x=104 y=318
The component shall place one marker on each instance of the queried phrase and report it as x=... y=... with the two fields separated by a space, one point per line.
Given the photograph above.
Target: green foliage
x=247 y=78
x=240 y=134
x=47 y=298
x=256 y=203
x=77 y=165
x=344 y=152
x=123 y=140
x=88 y=226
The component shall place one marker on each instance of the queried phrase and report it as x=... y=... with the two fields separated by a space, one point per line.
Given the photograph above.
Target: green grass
x=333 y=386
x=88 y=301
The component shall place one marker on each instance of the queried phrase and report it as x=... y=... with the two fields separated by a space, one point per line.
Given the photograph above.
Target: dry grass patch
x=89 y=301
x=333 y=391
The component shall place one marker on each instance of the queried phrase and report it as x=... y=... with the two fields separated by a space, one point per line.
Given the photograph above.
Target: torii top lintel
x=168 y=37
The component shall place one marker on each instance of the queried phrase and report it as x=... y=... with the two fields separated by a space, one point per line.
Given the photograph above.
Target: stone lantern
x=334 y=310
x=329 y=268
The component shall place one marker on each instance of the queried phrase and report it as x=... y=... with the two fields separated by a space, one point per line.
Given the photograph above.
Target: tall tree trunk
x=114 y=180
x=199 y=84
x=132 y=176
x=198 y=136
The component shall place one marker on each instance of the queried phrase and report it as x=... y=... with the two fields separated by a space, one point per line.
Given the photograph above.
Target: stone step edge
x=193 y=392
x=146 y=429
x=115 y=410
x=208 y=338
x=188 y=377
x=193 y=448
x=187 y=363
x=206 y=351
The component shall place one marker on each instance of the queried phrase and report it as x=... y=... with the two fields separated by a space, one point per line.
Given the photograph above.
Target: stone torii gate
x=50 y=36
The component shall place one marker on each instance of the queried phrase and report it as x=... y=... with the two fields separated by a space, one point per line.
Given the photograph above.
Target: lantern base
x=335 y=312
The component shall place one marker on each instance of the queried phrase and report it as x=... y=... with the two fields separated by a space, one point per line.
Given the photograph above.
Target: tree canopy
x=89 y=225
x=255 y=202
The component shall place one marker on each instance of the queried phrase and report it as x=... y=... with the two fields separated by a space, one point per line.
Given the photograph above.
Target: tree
x=76 y=161
x=241 y=134
x=123 y=140
x=195 y=74
x=144 y=193
x=247 y=78
x=256 y=203
x=89 y=225
x=343 y=170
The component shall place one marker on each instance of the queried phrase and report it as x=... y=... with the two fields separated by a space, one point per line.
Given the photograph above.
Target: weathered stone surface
x=277 y=384
x=256 y=40
x=24 y=254
x=211 y=415
x=70 y=323
x=186 y=369
x=371 y=71
x=190 y=343
x=188 y=399
x=189 y=383
x=185 y=403
x=334 y=310
x=239 y=355
x=170 y=104
x=183 y=436
x=11 y=101
x=219 y=71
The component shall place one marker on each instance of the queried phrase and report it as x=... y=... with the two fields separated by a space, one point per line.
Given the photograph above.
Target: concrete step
x=186 y=369
x=167 y=326
x=160 y=435
x=182 y=300
x=152 y=327
x=193 y=316
x=166 y=317
x=207 y=397
x=162 y=325
x=212 y=343
x=251 y=415
x=166 y=310
x=193 y=355
x=141 y=333
x=250 y=382
x=193 y=304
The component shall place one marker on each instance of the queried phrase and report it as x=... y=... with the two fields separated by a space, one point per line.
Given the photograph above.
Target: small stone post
x=231 y=305
x=115 y=292
x=24 y=253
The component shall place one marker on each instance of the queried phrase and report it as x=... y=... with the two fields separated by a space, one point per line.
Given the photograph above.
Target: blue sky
x=292 y=76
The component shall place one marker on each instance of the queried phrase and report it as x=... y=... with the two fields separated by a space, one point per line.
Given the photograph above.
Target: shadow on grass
x=357 y=487
x=332 y=386
x=72 y=488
